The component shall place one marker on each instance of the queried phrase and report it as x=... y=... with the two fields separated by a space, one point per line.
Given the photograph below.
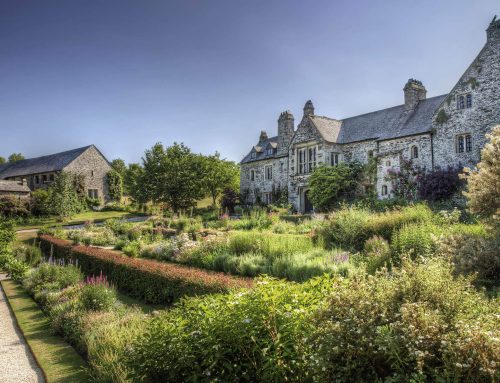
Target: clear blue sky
x=124 y=74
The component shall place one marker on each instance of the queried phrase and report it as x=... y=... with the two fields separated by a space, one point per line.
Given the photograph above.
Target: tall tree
x=16 y=157
x=173 y=175
x=133 y=184
x=115 y=185
x=119 y=165
x=219 y=174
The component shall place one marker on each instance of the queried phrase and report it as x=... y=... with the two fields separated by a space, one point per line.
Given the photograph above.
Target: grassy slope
x=58 y=359
x=79 y=218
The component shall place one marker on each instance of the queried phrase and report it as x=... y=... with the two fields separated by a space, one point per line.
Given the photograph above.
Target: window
x=463 y=143
x=267 y=198
x=269 y=172
x=414 y=152
x=93 y=193
x=252 y=175
x=92 y=173
x=384 y=190
x=253 y=155
x=387 y=163
x=51 y=178
x=334 y=159
x=44 y=178
x=461 y=102
x=370 y=154
x=311 y=159
x=37 y=180
x=469 y=101
x=281 y=166
x=302 y=160
x=270 y=151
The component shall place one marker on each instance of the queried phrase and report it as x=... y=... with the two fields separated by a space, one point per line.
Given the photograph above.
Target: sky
x=126 y=74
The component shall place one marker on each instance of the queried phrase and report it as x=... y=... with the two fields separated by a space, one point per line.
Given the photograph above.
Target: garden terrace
x=148 y=280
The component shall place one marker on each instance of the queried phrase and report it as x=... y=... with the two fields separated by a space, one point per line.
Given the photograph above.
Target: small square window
x=387 y=163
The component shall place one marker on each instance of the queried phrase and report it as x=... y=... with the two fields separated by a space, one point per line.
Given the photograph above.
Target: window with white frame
x=463 y=143
x=414 y=151
x=269 y=172
x=334 y=159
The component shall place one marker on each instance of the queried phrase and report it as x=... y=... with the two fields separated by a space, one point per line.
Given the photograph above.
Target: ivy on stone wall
x=442 y=117
x=115 y=185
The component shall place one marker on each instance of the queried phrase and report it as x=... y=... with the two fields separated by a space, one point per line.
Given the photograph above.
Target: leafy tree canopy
x=330 y=185
x=2 y=160
x=119 y=165
x=115 y=186
x=219 y=174
x=16 y=157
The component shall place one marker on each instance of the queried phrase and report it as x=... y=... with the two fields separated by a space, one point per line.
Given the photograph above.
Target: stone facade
x=94 y=166
x=42 y=171
x=446 y=130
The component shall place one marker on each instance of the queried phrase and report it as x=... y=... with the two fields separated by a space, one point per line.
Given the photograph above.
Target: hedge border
x=150 y=281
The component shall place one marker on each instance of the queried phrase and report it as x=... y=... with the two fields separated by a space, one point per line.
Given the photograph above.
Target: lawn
x=80 y=218
x=59 y=361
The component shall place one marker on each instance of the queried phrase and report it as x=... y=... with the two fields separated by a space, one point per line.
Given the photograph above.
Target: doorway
x=308 y=206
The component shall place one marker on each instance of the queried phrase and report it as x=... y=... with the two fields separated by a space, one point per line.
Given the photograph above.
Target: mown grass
x=59 y=361
x=77 y=219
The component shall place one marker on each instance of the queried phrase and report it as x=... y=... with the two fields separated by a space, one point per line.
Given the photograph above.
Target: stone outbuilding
x=40 y=172
x=433 y=132
x=17 y=189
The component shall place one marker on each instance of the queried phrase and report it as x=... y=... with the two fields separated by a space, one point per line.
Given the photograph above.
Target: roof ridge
x=53 y=154
x=391 y=107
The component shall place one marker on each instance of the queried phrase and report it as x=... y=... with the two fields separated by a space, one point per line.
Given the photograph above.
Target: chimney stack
x=263 y=136
x=308 y=108
x=414 y=92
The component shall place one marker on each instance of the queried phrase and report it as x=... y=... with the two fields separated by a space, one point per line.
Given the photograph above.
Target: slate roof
x=380 y=125
x=262 y=154
x=44 y=164
x=389 y=123
x=13 y=186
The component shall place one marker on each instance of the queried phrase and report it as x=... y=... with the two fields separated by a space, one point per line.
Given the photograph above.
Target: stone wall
x=260 y=185
x=94 y=167
x=482 y=82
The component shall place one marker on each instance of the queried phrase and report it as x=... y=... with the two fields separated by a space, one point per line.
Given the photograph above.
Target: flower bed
x=150 y=281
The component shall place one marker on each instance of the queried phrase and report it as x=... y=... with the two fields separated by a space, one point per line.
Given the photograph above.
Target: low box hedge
x=147 y=280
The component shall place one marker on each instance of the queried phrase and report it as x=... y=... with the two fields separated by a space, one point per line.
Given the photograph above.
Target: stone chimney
x=493 y=31
x=263 y=136
x=23 y=182
x=308 y=108
x=285 y=131
x=414 y=92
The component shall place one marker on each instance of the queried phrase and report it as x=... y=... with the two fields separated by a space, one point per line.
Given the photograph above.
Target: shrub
x=32 y=255
x=98 y=295
x=439 y=184
x=474 y=254
x=115 y=186
x=53 y=277
x=414 y=240
x=150 y=281
x=418 y=324
x=377 y=254
x=11 y=206
x=256 y=335
x=16 y=269
x=7 y=235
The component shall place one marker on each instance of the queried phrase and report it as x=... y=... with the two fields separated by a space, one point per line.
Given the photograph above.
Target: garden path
x=17 y=364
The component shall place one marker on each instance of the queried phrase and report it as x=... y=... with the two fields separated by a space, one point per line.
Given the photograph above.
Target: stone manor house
x=431 y=132
x=21 y=177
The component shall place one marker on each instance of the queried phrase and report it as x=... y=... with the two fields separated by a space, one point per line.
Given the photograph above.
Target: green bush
x=32 y=255
x=257 y=335
x=52 y=277
x=418 y=324
x=16 y=269
x=415 y=241
x=7 y=235
x=474 y=254
x=98 y=297
x=377 y=254
x=350 y=227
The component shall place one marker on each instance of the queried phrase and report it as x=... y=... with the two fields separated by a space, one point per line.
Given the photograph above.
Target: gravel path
x=17 y=365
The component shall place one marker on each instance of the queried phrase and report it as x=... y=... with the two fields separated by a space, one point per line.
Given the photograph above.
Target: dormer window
x=253 y=155
x=270 y=151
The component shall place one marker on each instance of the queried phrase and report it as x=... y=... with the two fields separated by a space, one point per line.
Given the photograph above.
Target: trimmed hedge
x=150 y=281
